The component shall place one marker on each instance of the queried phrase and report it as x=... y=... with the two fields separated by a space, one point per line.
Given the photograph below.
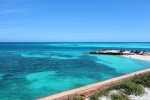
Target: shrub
x=101 y=93
x=142 y=80
x=119 y=97
x=130 y=88
x=77 y=98
x=95 y=97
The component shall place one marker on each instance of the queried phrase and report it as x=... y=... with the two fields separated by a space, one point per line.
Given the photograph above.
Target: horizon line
x=73 y=42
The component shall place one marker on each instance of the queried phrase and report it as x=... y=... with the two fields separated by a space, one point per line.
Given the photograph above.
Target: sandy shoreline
x=139 y=57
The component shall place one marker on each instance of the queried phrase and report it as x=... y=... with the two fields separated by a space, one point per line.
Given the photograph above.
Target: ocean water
x=34 y=70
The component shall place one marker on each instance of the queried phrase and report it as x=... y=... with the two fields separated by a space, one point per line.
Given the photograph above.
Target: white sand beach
x=145 y=96
x=139 y=57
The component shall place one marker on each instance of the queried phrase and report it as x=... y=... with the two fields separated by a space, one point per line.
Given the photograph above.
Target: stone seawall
x=91 y=89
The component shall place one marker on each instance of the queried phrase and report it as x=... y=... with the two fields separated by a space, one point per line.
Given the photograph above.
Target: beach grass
x=76 y=98
x=119 y=97
x=129 y=88
x=132 y=86
x=143 y=80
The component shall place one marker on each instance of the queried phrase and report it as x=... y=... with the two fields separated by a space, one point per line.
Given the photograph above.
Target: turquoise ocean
x=34 y=70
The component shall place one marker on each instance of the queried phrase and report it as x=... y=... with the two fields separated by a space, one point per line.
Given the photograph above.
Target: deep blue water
x=33 y=70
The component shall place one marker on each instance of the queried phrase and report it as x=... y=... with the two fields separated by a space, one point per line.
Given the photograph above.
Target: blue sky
x=74 y=20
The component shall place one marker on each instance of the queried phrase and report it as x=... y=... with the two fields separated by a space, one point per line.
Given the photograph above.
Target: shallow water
x=34 y=70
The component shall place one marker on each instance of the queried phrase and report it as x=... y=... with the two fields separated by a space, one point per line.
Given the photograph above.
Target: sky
x=74 y=20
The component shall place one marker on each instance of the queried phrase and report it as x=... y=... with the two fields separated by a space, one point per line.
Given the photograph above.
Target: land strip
x=139 y=57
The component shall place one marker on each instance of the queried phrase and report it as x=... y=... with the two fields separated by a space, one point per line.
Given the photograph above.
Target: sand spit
x=141 y=55
x=138 y=57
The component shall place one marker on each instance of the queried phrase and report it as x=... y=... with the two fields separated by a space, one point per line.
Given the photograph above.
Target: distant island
x=135 y=54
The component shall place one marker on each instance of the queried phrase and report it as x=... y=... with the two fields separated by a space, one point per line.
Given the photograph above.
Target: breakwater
x=120 y=52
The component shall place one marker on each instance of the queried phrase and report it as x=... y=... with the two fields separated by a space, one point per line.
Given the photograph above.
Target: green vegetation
x=76 y=98
x=133 y=86
x=95 y=96
x=119 y=97
x=99 y=94
x=128 y=87
x=143 y=80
